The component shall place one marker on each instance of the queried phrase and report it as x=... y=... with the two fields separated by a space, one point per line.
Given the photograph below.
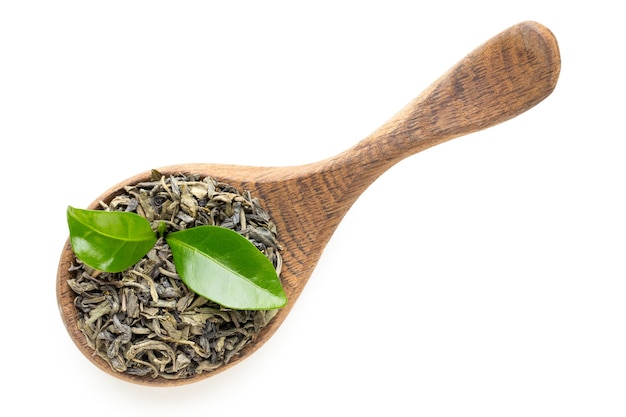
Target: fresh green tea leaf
x=109 y=241
x=225 y=267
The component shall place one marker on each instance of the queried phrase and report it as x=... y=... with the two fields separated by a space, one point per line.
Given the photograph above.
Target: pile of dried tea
x=144 y=320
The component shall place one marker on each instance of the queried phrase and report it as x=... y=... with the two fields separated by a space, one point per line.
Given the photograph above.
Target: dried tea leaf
x=188 y=202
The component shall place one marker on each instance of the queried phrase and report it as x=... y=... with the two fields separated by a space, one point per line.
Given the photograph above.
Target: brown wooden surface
x=501 y=79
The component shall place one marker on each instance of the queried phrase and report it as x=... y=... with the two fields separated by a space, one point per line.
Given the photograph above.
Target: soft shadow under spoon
x=504 y=77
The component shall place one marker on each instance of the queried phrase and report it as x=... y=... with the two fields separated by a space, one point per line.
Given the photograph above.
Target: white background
x=485 y=276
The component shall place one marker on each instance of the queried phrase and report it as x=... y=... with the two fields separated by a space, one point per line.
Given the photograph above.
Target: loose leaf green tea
x=241 y=276
x=109 y=241
x=144 y=320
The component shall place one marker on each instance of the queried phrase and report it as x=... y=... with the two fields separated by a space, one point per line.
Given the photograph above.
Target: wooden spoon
x=501 y=79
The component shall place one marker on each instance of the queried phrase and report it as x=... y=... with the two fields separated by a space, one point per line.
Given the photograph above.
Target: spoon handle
x=504 y=77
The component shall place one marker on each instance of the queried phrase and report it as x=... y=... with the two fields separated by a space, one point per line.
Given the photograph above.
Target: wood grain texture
x=499 y=80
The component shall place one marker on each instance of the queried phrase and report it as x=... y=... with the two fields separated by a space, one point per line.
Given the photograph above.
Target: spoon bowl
x=504 y=77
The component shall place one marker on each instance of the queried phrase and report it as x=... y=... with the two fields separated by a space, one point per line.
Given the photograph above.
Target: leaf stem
x=161 y=228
